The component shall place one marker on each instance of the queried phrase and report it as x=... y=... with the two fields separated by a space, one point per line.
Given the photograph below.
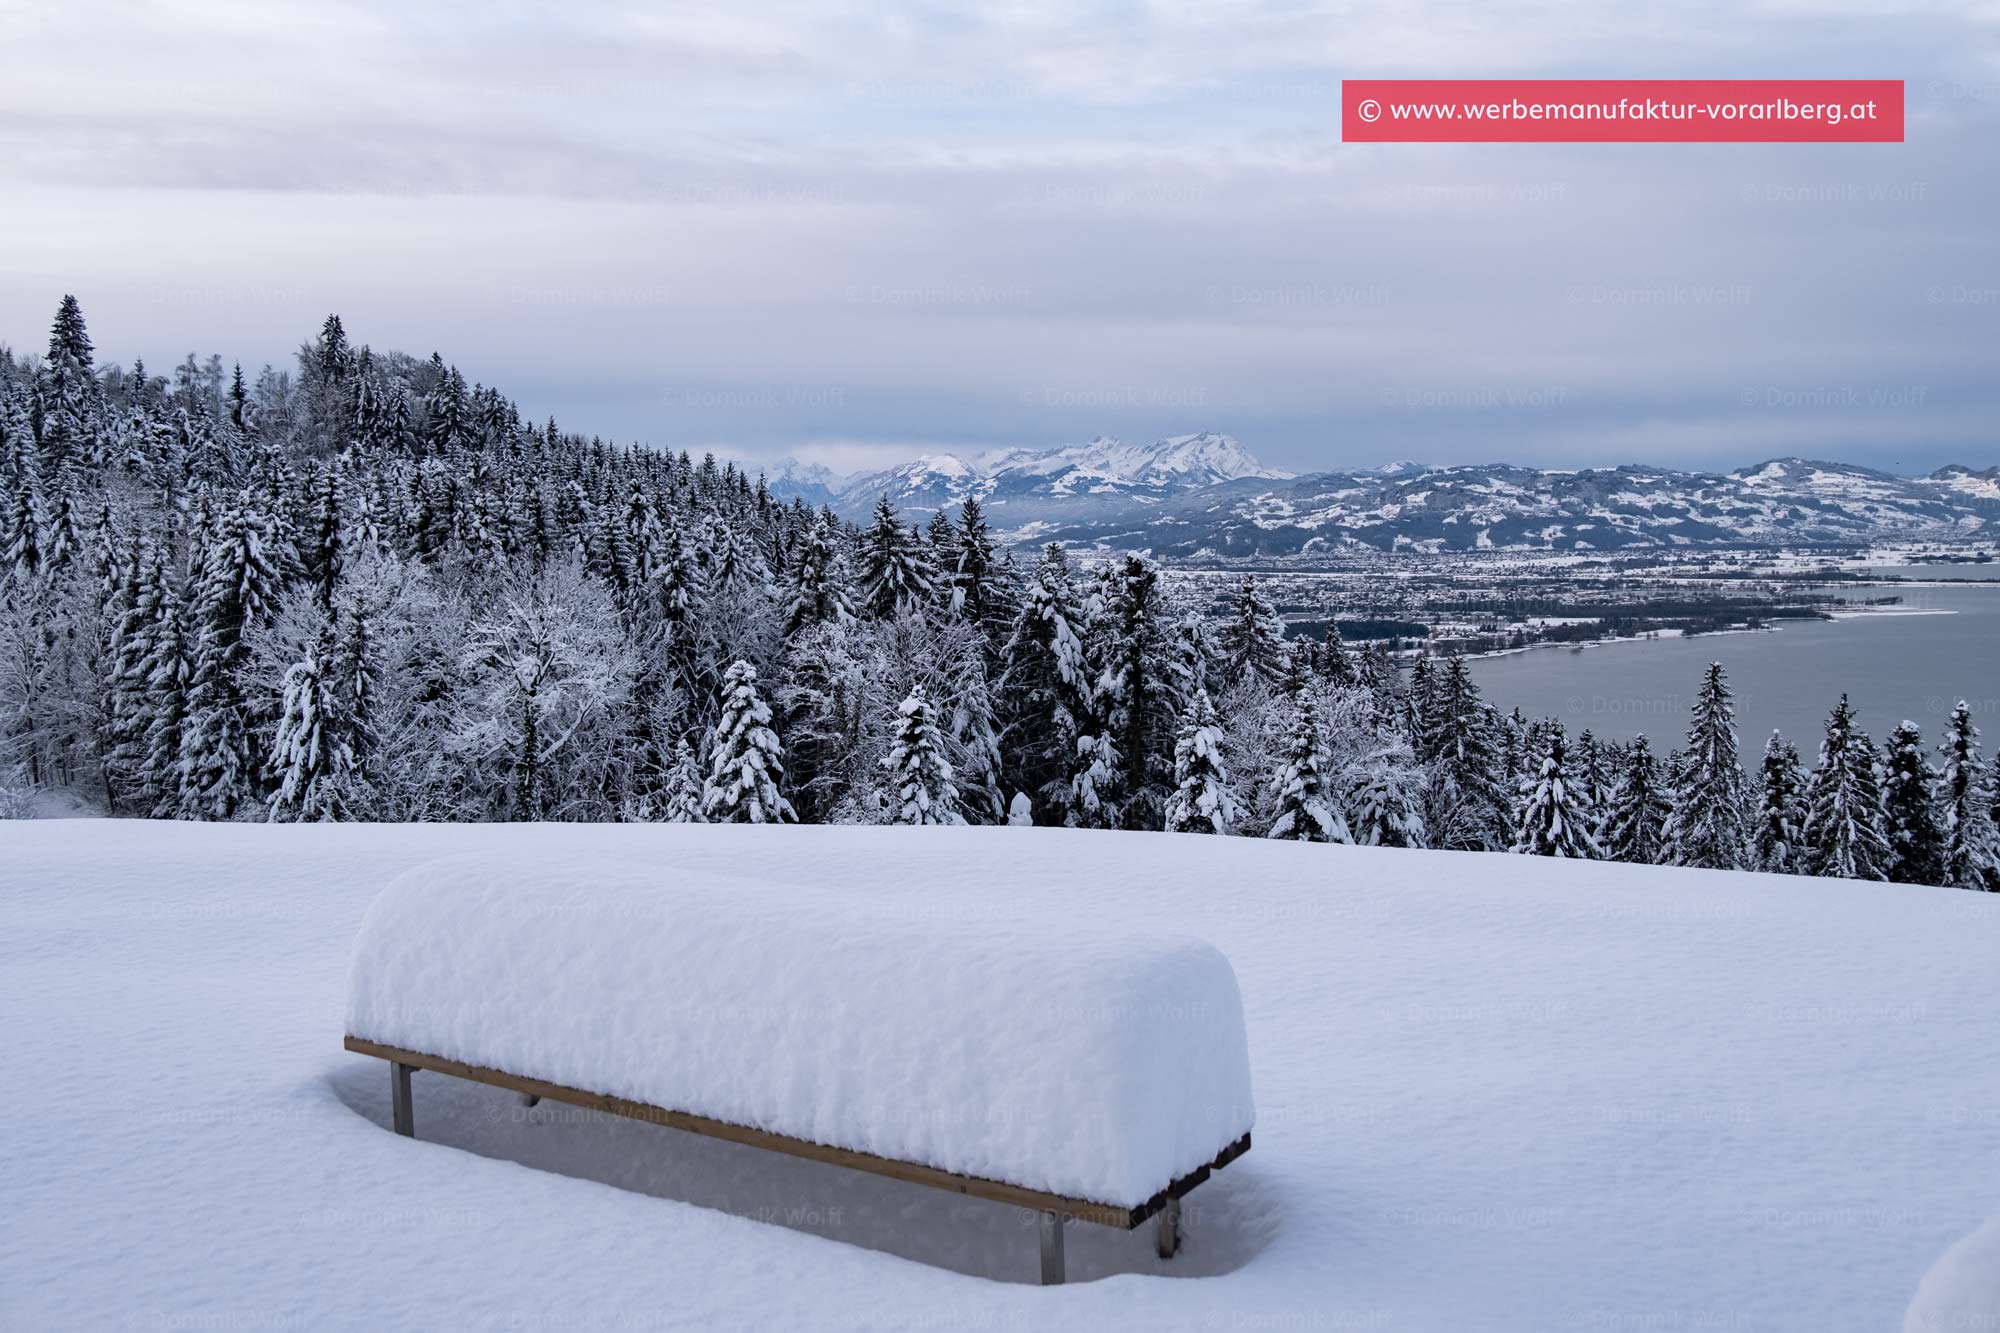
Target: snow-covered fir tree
x=1140 y=691
x=1909 y=805
x=1634 y=819
x=681 y=793
x=312 y=755
x=1781 y=811
x=895 y=568
x=1252 y=637
x=1708 y=828
x=920 y=779
x=1971 y=858
x=745 y=760
x=1588 y=775
x=1045 y=688
x=1552 y=821
x=1470 y=807
x=1845 y=834
x=1202 y=801
x=220 y=764
x=1386 y=796
x=819 y=594
x=1302 y=785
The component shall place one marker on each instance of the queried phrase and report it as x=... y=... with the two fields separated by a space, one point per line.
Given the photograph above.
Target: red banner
x=1621 y=110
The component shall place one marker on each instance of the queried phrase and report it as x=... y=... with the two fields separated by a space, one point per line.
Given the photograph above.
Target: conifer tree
x=1336 y=663
x=1305 y=800
x=1635 y=815
x=169 y=674
x=821 y=701
x=1202 y=801
x=68 y=339
x=1470 y=808
x=324 y=549
x=1419 y=706
x=1552 y=822
x=67 y=395
x=63 y=540
x=1140 y=691
x=312 y=758
x=357 y=672
x=1710 y=804
x=1387 y=797
x=896 y=571
x=1252 y=639
x=1587 y=774
x=1909 y=801
x=1780 y=809
x=1844 y=833
x=681 y=793
x=237 y=589
x=1971 y=859
x=819 y=593
x=131 y=640
x=745 y=760
x=1045 y=691
x=21 y=536
x=983 y=589
x=921 y=785
x=1097 y=782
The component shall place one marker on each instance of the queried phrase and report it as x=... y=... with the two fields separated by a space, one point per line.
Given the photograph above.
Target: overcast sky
x=858 y=232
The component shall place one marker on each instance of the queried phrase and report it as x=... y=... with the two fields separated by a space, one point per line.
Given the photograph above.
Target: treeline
x=362 y=588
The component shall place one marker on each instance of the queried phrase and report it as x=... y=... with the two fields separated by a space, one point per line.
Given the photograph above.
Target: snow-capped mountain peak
x=1104 y=467
x=1208 y=456
x=1192 y=493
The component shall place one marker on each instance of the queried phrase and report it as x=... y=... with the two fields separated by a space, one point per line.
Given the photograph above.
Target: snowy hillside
x=1206 y=493
x=1493 y=1093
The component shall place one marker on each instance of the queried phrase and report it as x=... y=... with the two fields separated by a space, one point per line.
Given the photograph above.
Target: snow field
x=1494 y=1093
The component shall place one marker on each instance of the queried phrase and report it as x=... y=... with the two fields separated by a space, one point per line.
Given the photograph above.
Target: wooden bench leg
x=1168 y=1238
x=399 y=1098
x=1052 y=1249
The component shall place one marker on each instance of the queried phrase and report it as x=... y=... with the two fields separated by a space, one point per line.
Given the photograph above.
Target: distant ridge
x=1206 y=493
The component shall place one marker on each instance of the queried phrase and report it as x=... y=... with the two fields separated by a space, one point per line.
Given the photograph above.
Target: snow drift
x=1096 y=1064
x=1961 y=1293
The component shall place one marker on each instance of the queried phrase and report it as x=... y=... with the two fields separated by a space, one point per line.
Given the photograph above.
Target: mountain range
x=1207 y=494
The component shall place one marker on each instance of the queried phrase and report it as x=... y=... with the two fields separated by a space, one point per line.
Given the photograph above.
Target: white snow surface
x=1493 y=1093
x=1961 y=1293
x=1098 y=1064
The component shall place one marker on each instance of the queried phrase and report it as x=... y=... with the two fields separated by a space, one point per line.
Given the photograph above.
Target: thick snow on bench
x=1090 y=1064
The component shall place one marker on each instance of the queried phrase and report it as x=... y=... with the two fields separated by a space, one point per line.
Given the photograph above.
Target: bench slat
x=999 y=1191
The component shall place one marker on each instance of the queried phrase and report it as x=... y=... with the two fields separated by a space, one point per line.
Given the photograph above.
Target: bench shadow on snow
x=1226 y=1221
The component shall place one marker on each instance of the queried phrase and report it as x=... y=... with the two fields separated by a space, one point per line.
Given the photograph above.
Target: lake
x=1892 y=667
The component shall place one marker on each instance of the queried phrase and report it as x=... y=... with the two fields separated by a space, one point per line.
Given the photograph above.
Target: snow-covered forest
x=362 y=589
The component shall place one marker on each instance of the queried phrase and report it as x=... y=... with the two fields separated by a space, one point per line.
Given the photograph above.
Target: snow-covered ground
x=1492 y=1093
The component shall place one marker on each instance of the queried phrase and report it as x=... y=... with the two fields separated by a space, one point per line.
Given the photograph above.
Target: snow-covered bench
x=1083 y=1074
